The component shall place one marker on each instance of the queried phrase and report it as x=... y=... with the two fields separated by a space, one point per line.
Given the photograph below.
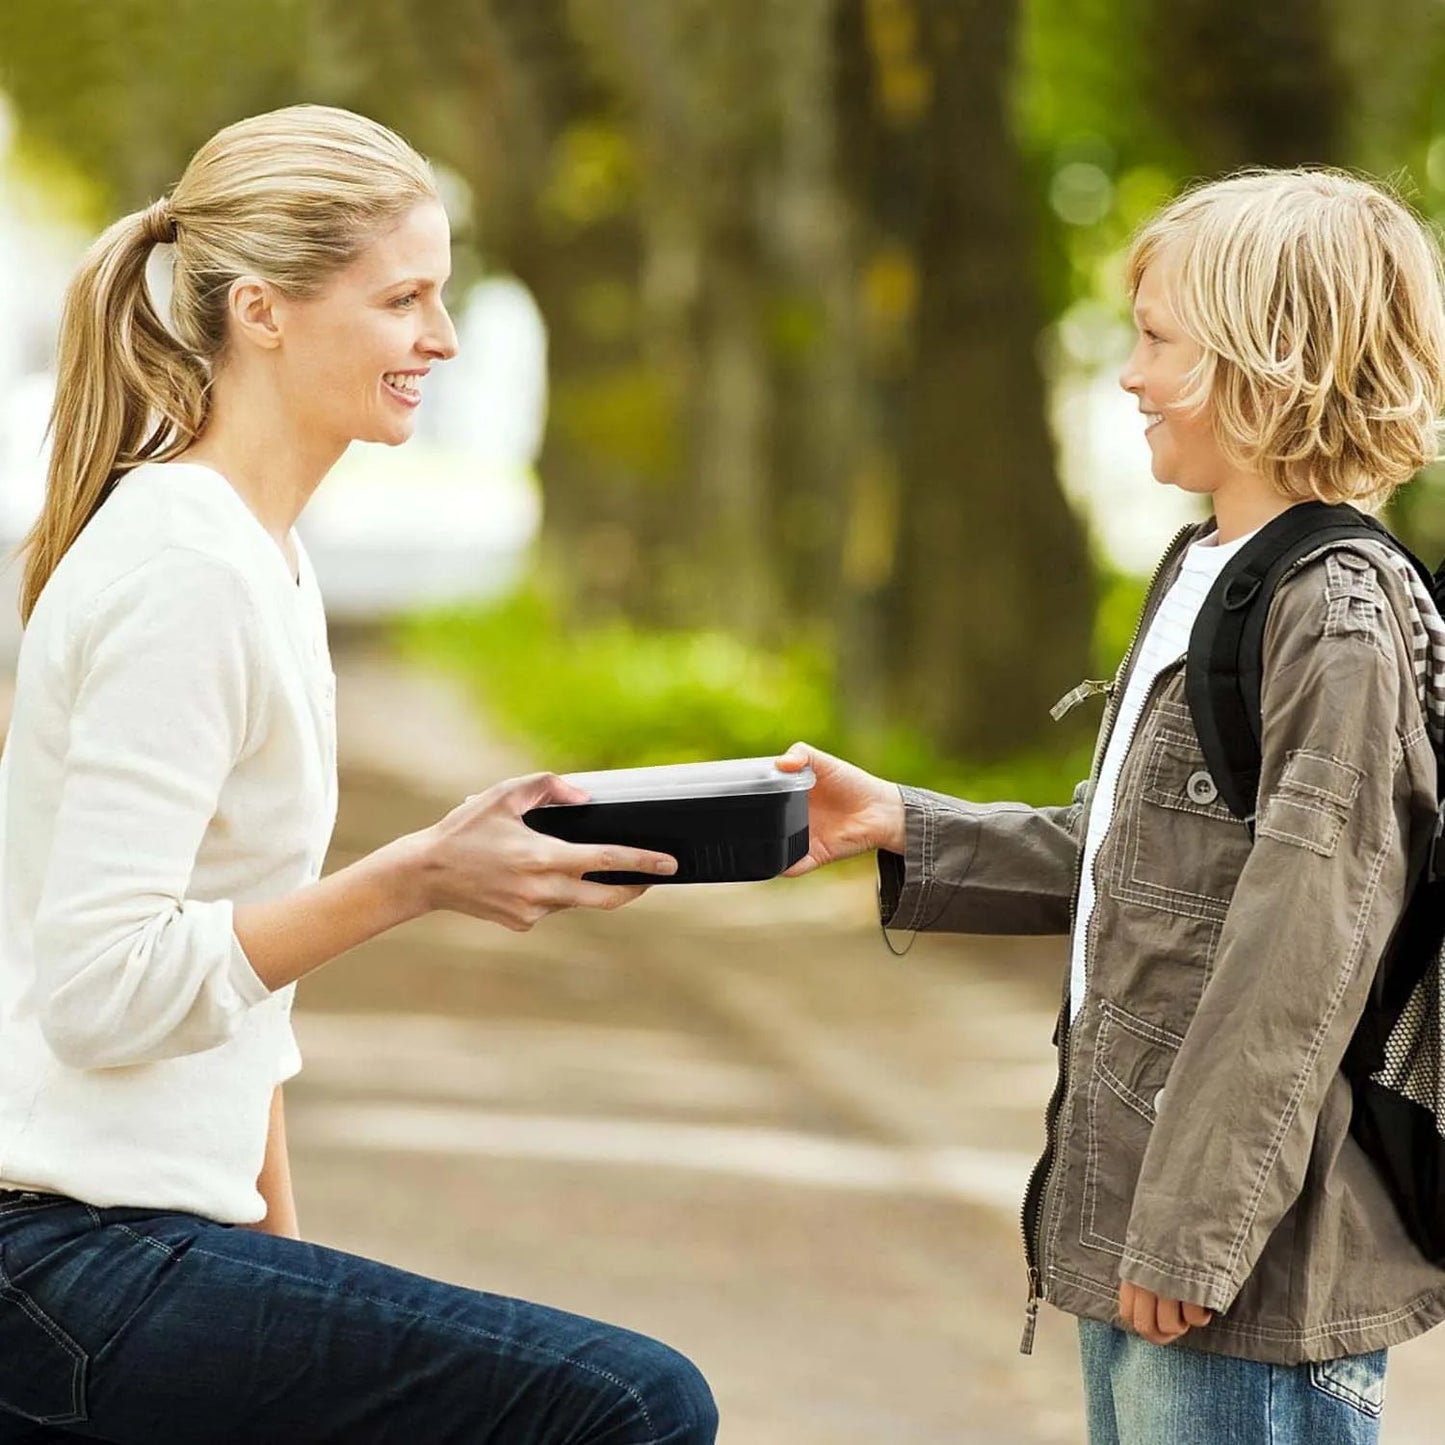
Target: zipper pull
x=1090 y=687
x=1031 y=1314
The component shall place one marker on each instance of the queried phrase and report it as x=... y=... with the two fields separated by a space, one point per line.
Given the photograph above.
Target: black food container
x=736 y=821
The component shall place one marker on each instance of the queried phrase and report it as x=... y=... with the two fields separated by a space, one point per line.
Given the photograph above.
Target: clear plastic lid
x=734 y=776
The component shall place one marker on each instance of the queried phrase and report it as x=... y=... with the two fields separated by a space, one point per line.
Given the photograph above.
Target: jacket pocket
x=1132 y=1060
x=42 y=1370
x=1312 y=803
x=1183 y=849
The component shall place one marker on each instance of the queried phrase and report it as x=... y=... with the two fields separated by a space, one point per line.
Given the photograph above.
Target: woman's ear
x=252 y=305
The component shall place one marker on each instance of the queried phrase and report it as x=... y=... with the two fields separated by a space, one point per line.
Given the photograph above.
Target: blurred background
x=787 y=407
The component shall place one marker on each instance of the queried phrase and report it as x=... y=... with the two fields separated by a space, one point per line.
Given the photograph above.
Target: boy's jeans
x=1141 y=1394
x=139 y=1328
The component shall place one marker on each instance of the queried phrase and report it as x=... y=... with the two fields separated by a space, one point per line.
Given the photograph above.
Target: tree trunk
x=984 y=611
x=1245 y=83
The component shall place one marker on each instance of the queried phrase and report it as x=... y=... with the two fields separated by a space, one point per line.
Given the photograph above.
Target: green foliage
x=594 y=175
x=1087 y=116
x=625 y=416
x=1080 y=73
x=611 y=694
x=127 y=89
x=1121 y=600
x=796 y=325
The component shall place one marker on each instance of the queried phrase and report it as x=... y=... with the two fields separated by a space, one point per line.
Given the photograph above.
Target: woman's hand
x=849 y=811
x=483 y=860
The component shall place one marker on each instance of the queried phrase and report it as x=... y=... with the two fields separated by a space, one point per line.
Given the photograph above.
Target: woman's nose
x=441 y=344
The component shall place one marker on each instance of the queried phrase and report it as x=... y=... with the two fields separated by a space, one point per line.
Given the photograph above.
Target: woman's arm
x=480 y=859
x=286 y=937
x=172 y=681
x=274 y=1182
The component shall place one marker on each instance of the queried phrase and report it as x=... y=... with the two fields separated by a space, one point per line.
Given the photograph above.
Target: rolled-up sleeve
x=130 y=969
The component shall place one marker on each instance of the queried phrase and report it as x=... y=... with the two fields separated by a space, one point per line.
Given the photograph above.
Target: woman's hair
x=1317 y=299
x=292 y=197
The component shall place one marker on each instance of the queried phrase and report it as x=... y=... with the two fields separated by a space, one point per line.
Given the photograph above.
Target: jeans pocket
x=42 y=1370
x=1355 y=1380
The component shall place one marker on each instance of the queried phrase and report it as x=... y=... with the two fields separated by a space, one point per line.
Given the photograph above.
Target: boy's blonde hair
x=292 y=196
x=1317 y=298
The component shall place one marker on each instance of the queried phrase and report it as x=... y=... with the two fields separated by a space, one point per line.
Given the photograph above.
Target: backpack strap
x=1224 y=668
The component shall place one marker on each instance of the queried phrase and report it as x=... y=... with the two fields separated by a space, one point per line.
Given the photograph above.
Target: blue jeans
x=145 y=1328
x=1136 y=1393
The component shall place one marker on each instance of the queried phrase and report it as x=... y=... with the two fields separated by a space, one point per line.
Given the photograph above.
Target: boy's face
x=1182 y=446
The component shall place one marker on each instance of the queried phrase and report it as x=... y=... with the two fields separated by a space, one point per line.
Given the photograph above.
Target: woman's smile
x=403 y=386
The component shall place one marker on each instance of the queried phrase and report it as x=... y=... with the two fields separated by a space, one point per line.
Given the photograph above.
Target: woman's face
x=353 y=358
x=1183 y=449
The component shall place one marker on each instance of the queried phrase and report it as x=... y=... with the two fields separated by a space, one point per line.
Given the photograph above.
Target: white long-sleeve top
x=171 y=753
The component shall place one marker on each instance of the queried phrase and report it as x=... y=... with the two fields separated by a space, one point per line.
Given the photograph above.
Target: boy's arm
x=1313 y=910
x=981 y=867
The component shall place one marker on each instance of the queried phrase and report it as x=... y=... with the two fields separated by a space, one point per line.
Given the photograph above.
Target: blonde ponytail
x=126 y=392
x=291 y=196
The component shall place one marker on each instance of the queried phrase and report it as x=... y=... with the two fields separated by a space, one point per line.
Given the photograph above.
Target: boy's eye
x=1152 y=335
x=405 y=302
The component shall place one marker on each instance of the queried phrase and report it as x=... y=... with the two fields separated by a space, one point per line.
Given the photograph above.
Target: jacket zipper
x=1042 y=1174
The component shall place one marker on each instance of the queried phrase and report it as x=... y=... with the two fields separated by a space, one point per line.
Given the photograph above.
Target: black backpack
x=1394 y=1061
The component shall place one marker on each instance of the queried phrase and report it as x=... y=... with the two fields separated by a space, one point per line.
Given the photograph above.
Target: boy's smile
x=1159 y=373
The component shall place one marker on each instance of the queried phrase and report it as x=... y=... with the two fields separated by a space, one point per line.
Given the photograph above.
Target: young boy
x=1200 y=1187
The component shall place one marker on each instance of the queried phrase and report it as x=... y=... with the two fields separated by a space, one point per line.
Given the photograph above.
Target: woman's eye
x=1152 y=335
x=405 y=302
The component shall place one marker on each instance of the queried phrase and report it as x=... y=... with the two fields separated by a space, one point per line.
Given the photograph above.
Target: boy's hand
x=1160 y=1321
x=849 y=811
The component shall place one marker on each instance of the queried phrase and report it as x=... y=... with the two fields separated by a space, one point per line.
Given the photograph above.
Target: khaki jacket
x=1198 y=1136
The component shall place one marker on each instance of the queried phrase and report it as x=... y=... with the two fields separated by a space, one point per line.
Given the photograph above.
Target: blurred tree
x=984 y=604
x=127 y=89
x=556 y=201
x=789 y=256
x=1120 y=102
x=1394 y=54
x=788 y=290
x=1240 y=83
x=700 y=93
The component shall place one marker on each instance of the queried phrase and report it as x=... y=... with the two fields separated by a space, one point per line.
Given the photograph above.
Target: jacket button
x=1159 y=1101
x=1200 y=788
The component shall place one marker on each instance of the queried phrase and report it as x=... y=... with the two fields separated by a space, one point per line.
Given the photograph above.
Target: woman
x=167 y=793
